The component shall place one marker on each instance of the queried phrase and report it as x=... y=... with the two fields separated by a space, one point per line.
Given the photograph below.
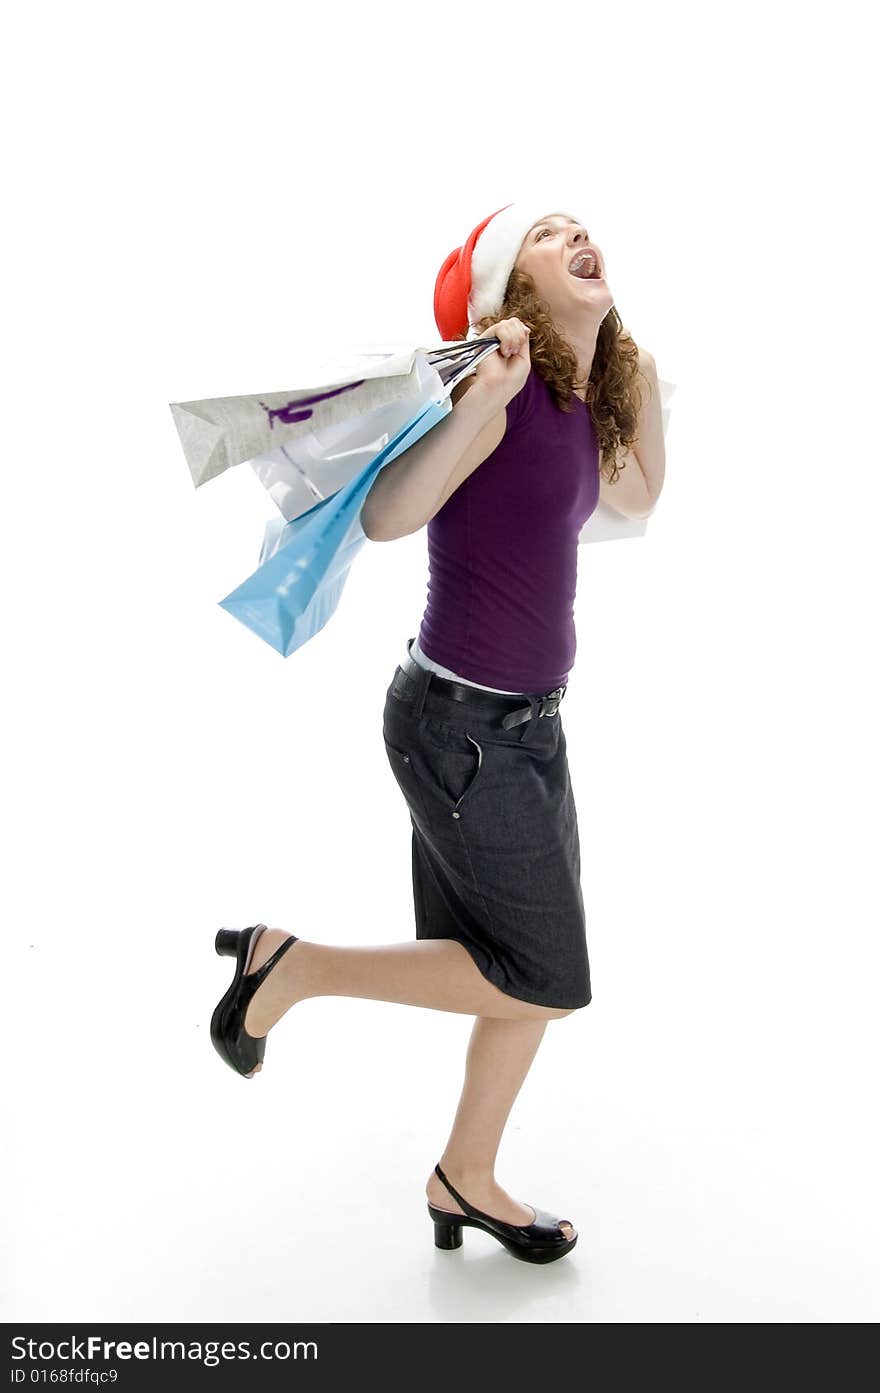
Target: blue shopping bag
x=304 y=564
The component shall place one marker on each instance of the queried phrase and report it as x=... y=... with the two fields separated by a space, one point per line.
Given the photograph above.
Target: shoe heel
x=226 y=942
x=447 y=1236
x=447 y=1231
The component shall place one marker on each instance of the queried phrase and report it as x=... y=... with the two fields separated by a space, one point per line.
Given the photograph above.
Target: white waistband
x=424 y=661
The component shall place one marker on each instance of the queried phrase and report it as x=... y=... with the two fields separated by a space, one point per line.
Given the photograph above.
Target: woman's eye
x=541 y=234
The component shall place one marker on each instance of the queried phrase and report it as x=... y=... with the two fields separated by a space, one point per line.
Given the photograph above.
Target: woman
x=471 y=724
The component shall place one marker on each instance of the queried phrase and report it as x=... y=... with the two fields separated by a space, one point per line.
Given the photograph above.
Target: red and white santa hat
x=473 y=278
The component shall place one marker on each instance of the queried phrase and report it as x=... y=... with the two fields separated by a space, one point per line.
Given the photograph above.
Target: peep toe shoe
x=241 y=1051
x=541 y=1241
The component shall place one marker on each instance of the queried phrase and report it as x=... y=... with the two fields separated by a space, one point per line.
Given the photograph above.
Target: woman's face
x=548 y=250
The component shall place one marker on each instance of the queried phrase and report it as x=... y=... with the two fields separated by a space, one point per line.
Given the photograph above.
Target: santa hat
x=473 y=278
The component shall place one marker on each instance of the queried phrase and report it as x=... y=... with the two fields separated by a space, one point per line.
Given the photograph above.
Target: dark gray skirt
x=495 y=850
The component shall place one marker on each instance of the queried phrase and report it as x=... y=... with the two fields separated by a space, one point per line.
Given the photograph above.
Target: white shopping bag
x=390 y=379
x=221 y=432
x=317 y=462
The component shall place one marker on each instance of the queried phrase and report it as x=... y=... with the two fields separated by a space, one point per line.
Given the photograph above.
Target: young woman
x=472 y=724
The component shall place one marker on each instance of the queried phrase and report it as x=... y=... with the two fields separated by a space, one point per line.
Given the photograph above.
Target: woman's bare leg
x=499 y=1056
x=437 y=973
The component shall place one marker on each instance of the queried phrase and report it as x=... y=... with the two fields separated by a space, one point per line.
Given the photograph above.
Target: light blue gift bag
x=304 y=564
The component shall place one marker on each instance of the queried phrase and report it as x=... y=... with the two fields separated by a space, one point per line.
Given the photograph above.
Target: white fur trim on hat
x=495 y=254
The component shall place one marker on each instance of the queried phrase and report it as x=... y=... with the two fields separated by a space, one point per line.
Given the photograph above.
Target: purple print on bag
x=294 y=410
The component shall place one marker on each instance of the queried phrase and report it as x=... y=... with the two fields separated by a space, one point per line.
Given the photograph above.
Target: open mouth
x=584 y=266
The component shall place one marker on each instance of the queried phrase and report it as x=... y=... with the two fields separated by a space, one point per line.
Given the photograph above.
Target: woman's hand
x=503 y=373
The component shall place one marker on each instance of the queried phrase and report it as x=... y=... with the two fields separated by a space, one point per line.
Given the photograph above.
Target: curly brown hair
x=613 y=394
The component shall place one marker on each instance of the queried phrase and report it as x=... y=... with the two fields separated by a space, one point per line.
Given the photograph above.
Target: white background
x=206 y=196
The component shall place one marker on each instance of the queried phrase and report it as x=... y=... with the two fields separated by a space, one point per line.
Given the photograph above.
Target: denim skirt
x=495 y=850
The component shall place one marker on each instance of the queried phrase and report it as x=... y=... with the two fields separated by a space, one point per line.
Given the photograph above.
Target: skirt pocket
x=436 y=769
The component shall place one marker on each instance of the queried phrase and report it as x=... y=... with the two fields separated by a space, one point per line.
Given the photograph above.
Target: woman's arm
x=641 y=481
x=408 y=491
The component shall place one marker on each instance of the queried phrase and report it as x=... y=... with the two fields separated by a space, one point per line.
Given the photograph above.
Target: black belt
x=511 y=715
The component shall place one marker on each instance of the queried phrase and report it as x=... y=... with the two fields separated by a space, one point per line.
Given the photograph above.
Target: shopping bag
x=221 y=432
x=316 y=463
x=305 y=564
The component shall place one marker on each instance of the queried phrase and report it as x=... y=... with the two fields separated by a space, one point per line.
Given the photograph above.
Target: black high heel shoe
x=241 y=1051
x=540 y=1241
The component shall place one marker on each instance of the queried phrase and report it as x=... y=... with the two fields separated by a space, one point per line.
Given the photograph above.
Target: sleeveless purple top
x=503 y=550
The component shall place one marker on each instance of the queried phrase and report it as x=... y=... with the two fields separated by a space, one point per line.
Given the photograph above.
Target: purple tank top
x=503 y=550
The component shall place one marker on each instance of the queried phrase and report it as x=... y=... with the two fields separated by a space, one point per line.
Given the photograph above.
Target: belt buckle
x=554 y=698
